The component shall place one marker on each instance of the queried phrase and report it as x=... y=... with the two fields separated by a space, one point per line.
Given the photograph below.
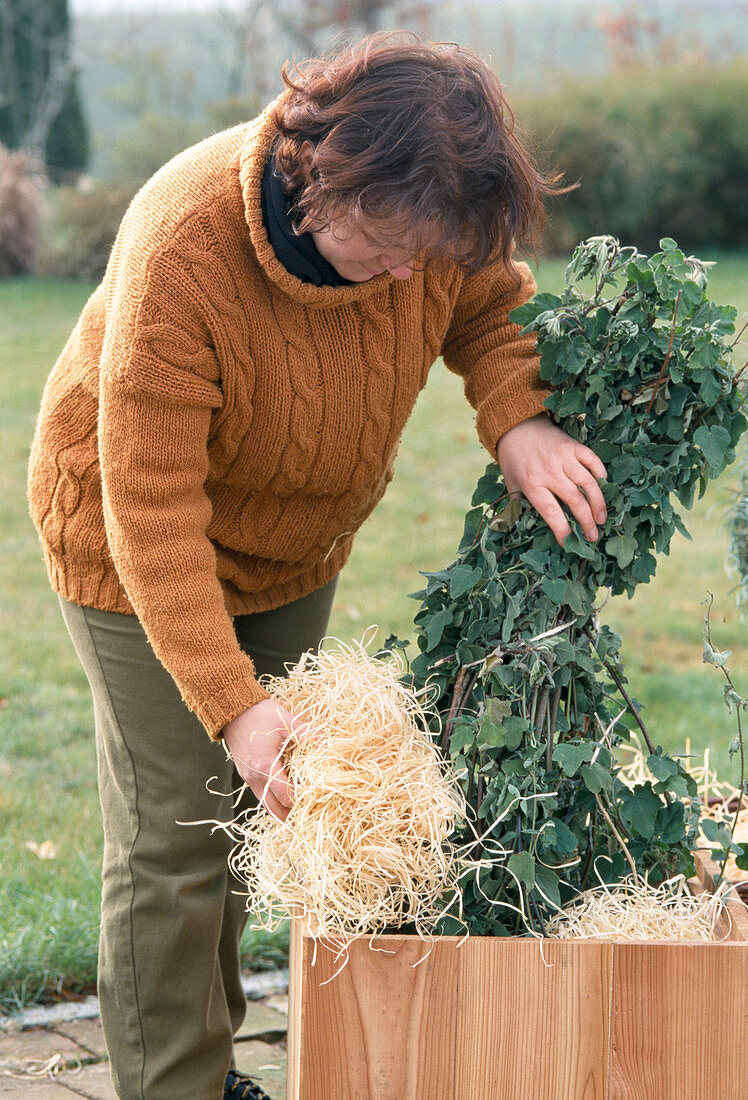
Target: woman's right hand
x=255 y=739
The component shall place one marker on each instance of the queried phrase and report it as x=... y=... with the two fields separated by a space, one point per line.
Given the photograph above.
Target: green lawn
x=49 y=914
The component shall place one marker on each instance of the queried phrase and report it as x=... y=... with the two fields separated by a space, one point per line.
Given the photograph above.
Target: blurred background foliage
x=642 y=106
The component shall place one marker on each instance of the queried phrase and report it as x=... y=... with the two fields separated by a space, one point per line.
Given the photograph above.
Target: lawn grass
x=49 y=914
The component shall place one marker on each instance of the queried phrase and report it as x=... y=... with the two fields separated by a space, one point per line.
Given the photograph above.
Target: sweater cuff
x=219 y=709
x=494 y=419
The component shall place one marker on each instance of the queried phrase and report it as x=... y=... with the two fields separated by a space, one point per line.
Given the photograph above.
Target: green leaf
x=670 y=825
x=547 y=885
x=713 y=443
x=639 y=809
x=557 y=837
x=715 y=832
x=525 y=314
x=537 y=562
x=742 y=858
x=575 y=544
x=492 y=733
x=570 y=756
x=436 y=627
x=662 y=767
x=514 y=730
x=555 y=589
x=622 y=548
x=596 y=777
x=523 y=866
x=462 y=735
x=461 y=579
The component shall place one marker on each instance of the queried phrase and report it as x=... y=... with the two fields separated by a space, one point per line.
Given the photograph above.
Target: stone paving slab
x=87 y=1034
x=93 y=1082
x=74 y=1054
x=33 y=1088
x=279 y=1002
x=37 y=1045
x=265 y=1064
x=263 y=1023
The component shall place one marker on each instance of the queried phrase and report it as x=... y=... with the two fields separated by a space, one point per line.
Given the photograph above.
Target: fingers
x=274 y=806
x=589 y=473
x=575 y=485
x=588 y=458
x=584 y=500
x=548 y=508
x=551 y=469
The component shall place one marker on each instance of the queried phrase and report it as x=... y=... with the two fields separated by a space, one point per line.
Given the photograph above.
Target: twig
x=728 y=677
x=536 y=910
x=463 y=686
x=629 y=703
x=665 y=364
x=553 y=717
x=618 y=837
x=627 y=698
x=737 y=338
x=541 y=712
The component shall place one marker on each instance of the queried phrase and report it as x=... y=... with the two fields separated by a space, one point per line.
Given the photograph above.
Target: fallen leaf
x=45 y=850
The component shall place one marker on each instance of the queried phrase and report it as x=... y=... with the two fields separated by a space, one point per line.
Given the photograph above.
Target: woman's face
x=356 y=255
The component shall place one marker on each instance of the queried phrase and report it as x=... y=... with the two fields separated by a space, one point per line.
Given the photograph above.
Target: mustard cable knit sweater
x=215 y=431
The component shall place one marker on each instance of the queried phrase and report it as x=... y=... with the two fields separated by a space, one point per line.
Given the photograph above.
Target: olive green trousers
x=172 y=914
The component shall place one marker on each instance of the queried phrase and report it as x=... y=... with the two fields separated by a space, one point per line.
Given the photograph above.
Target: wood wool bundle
x=365 y=845
x=635 y=910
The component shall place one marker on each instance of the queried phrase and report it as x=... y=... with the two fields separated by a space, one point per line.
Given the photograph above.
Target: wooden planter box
x=493 y=1021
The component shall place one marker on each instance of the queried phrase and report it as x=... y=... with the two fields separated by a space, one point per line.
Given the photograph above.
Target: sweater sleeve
x=159 y=383
x=500 y=367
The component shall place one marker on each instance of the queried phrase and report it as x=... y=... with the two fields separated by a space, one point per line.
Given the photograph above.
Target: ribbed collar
x=258 y=143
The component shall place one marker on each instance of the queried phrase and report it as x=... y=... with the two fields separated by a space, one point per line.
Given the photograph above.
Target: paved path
x=63 y=1058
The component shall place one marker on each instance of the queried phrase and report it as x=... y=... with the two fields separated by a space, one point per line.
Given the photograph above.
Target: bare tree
x=37 y=76
x=307 y=26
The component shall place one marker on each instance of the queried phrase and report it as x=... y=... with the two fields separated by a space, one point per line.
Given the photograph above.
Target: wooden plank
x=679 y=1021
x=295 y=996
x=533 y=1025
x=384 y=1028
x=734 y=926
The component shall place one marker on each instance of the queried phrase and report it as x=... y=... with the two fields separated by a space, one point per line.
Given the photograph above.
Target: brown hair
x=416 y=136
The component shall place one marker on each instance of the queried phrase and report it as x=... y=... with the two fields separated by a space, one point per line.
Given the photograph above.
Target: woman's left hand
x=544 y=464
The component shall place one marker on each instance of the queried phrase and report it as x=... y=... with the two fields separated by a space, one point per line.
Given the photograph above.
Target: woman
x=223 y=418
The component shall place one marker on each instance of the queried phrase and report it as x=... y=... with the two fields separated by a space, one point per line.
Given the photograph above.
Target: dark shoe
x=240 y=1087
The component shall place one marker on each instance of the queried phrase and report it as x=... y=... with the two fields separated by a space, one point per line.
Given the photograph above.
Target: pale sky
x=164 y=5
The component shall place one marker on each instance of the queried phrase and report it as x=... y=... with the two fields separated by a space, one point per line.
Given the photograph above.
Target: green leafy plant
x=530 y=695
x=738 y=524
x=720 y=833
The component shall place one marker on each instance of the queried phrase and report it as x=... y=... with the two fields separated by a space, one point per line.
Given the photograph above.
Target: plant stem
x=618 y=837
x=553 y=717
x=741 y=746
x=626 y=697
x=541 y=710
x=454 y=709
x=661 y=375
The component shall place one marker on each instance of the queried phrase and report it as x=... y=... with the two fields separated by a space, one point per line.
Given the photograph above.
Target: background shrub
x=656 y=152
x=21 y=206
x=80 y=231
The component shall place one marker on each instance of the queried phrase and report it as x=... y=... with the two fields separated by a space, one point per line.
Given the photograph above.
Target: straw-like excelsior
x=636 y=911
x=365 y=845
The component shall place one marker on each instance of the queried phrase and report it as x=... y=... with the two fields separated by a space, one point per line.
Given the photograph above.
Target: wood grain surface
x=521 y=1019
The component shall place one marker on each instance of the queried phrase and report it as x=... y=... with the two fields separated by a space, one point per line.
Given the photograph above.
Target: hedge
x=656 y=152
